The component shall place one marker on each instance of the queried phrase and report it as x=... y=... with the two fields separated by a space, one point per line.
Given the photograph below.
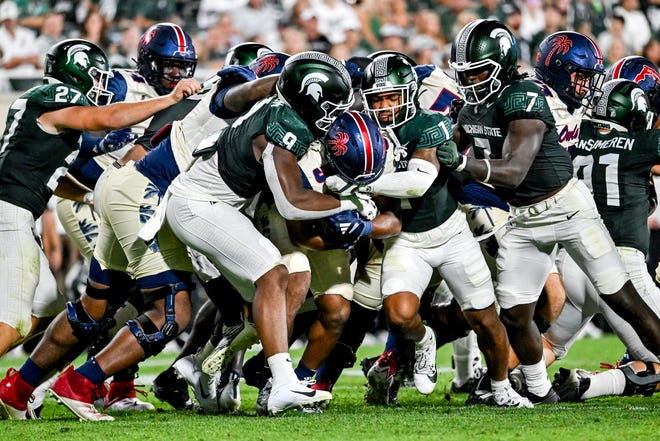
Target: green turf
x=440 y=416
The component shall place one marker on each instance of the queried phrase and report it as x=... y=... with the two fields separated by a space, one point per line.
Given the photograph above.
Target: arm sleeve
x=411 y=183
x=284 y=206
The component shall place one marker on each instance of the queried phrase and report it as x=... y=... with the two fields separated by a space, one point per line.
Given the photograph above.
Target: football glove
x=114 y=140
x=344 y=229
x=448 y=155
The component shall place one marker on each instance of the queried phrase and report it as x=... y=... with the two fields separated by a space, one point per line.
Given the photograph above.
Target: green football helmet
x=81 y=64
x=623 y=106
x=245 y=53
x=317 y=87
x=483 y=46
x=387 y=74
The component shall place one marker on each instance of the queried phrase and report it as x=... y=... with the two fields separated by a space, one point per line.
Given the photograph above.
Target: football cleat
x=14 y=395
x=296 y=396
x=168 y=387
x=571 y=384
x=510 y=398
x=234 y=339
x=122 y=395
x=262 y=399
x=466 y=387
x=77 y=393
x=425 y=374
x=380 y=378
x=550 y=398
x=189 y=368
x=36 y=402
x=229 y=394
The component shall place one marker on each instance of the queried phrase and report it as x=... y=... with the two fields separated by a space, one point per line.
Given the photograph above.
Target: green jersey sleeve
x=524 y=100
x=56 y=96
x=285 y=129
x=427 y=129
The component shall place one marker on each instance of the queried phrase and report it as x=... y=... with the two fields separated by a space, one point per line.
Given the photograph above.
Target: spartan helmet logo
x=311 y=85
x=638 y=99
x=78 y=53
x=504 y=40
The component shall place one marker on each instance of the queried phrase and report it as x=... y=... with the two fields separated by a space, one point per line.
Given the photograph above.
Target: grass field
x=439 y=416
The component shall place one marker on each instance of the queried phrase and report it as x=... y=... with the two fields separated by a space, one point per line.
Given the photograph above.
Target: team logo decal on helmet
x=559 y=45
x=647 y=72
x=504 y=40
x=310 y=84
x=337 y=144
x=268 y=64
x=78 y=55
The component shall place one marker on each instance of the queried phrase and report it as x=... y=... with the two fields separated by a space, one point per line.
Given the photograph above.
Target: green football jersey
x=616 y=167
x=487 y=126
x=425 y=130
x=31 y=160
x=282 y=127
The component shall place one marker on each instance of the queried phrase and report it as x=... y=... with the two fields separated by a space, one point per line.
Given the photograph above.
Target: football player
x=165 y=55
x=430 y=238
x=507 y=121
x=52 y=117
x=617 y=178
x=259 y=151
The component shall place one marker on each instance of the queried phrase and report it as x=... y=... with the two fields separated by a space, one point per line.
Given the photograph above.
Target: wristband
x=88 y=198
x=463 y=163
x=485 y=180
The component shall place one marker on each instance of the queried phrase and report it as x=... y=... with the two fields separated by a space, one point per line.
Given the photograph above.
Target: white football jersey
x=437 y=91
x=567 y=123
x=137 y=89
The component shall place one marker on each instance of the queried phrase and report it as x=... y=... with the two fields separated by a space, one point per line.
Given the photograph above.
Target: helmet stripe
x=598 y=53
x=616 y=73
x=366 y=137
x=181 y=38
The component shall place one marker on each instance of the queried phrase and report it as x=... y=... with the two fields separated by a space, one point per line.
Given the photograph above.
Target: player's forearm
x=240 y=98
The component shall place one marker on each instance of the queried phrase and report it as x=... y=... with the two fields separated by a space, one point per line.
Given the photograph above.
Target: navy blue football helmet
x=641 y=71
x=162 y=48
x=268 y=64
x=354 y=148
x=565 y=53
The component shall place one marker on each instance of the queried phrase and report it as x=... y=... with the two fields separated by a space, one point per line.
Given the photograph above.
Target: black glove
x=456 y=107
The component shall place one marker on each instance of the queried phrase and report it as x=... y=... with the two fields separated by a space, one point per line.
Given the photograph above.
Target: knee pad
x=151 y=339
x=642 y=383
x=84 y=327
